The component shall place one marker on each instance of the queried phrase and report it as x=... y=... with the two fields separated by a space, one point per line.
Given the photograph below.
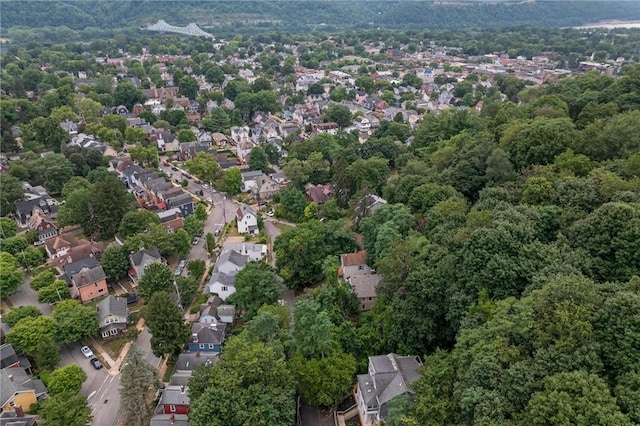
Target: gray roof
x=179 y=200
x=9 y=418
x=88 y=276
x=112 y=305
x=77 y=266
x=227 y=310
x=251 y=175
x=8 y=356
x=234 y=257
x=175 y=395
x=170 y=420
x=131 y=170
x=180 y=378
x=365 y=285
x=136 y=257
x=14 y=380
x=392 y=376
x=189 y=361
x=207 y=333
x=222 y=278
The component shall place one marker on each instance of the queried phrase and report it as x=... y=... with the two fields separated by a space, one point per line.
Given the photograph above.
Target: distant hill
x=279 y=15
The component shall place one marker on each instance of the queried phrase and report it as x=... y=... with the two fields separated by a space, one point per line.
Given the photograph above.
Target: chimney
x=182 y=388
x=19 y=411
x=172 y=419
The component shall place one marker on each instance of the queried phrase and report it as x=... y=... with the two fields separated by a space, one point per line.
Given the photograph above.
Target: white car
x=270 y=213
x=205 y=186
x=87 y=352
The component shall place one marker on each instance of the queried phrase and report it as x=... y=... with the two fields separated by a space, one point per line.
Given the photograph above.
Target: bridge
x=191 y=29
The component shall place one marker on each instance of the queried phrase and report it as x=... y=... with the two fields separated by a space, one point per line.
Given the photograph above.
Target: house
x=89 y=284
x=256 y=252
x=250 y=180
x=141 y=259
x=171 y=219
x=8 y=357
x=189 y=361
x=363 y=124
x=17 y=418
x=71 y=268
x=318 y=194
x=86 y=253
x=183 y=202
x=170 y=420
x=265 y=189
x=330 y=127
x=388 y=376
x=18 y=389
x=206 y=337
x=279 y=177
x=174 y=400
x=364 y=286
x=247 y=220
x=367 y=206
x=59 y=245
x=354 y=264
x=112 y=316
x=214 y=311
x=44 y=204
x=221 y=284
x=42 y=224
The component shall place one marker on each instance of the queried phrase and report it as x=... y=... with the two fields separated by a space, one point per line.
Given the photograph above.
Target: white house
x=222 y=285
x=247 y=220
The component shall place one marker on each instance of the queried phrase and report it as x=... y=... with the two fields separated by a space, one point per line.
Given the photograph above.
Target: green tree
x=74 y=184
x=115 y=261
x=8 y=227
x=296 y=172
x=136 y=378
x=193 y=226
x=12 y=191
x=256 y=285
x=189 y=86
x=258 y=159
x=273 y=155
x=188 y=288
x=134 y=222
x=166 y=324
x=45 y=131
x=128 y=95
x=339 y=114
x=324 y=381
x=217 y=121
x=574 y=398
x=292 y=204
x=196 y=268
x=43 y=279
x=67 y=379
x=10 y=276
x=157 y=277
x=54 y=292
x=47 y=355
x=74 y=322
x=27 y=334
x=251 y=384
x=20 y=312
x=312 y=329
x=186 y=135
x=115 y=122
x=109 y=202
x=204 y=166
x=230 y=182
x=89 y=110
x=66 y=409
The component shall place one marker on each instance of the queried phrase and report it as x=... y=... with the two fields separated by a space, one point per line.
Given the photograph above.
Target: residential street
x=26 y=296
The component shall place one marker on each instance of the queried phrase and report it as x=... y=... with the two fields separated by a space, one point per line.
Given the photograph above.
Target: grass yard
x=282 y=227
x=114 y=346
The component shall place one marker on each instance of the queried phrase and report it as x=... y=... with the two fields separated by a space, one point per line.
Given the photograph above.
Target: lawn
x=282 y=227
x=114 y=346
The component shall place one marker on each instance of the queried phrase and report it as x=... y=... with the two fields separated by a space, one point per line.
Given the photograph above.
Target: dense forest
x=88 y=19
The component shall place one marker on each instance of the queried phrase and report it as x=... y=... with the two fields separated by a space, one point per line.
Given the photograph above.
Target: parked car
x=217 y=233
x=174 y=168
x=96 y=363
x=205 y=186
x=132 y=298
x=196 y=240
x=270 y=213
x=87 y=352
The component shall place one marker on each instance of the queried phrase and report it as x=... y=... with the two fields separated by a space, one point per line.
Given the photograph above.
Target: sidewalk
x=115 y=365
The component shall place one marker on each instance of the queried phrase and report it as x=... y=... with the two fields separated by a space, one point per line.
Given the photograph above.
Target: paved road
x=26 y=296
x=99 y=387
